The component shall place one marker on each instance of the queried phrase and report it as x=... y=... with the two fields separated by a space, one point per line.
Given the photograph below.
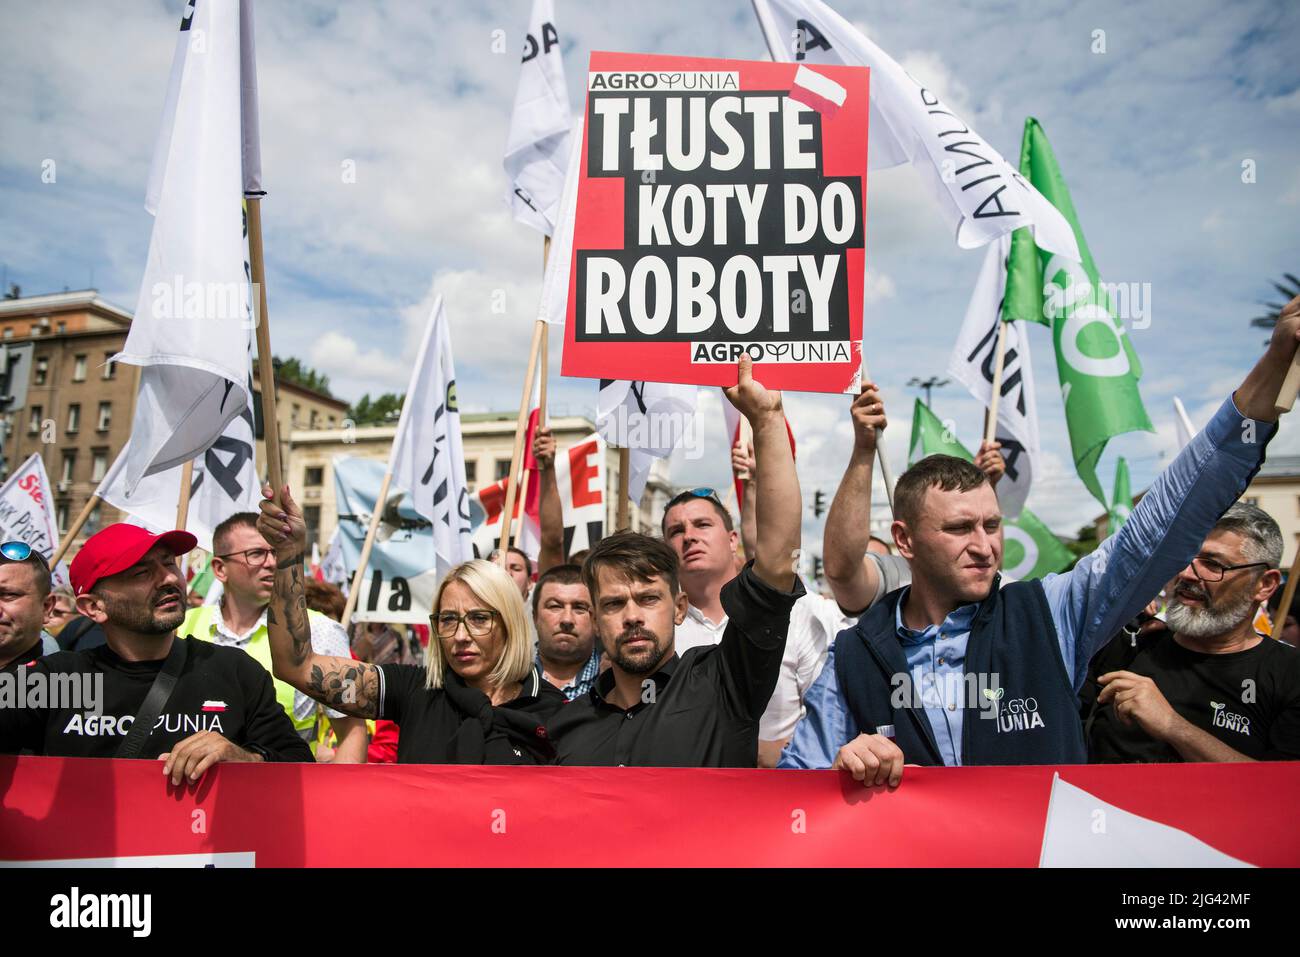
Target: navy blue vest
x=1019 y=705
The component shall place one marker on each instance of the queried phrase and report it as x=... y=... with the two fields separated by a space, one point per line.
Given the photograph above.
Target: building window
x=331 y=421
x=74 y=417
x=9 y=332
x=110 y=368
x=503 y=469
x=79 y=369
x=297 y=411
x=315 y=476
x=69 y=462
x=61 y=515
x=61 y=327
x=311 y=517
x=92 y=522
x=105 y=416
x=34 y=424
x=41 y=371
x=311 y=422
x=98 y=464
x=471 y=471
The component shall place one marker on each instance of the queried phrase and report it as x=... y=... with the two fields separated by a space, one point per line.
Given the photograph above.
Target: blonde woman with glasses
x=479 y=701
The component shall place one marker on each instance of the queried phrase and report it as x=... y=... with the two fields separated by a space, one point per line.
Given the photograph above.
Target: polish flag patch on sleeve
x=818 y=91
x=214 y=706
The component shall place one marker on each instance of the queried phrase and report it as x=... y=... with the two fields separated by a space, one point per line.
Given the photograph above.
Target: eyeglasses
x=477 y=622
x=20 y=552
x=1208 y=570
x=255 y=557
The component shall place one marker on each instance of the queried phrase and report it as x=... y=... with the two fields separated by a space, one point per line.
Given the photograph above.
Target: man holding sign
x=652 y=708
x=720 y=211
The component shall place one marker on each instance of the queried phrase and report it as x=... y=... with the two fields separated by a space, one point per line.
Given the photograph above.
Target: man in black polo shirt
x=84 y=703
x=1209 y=688
x=652 y=708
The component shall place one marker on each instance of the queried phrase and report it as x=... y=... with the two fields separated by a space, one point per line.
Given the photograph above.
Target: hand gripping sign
x=720 y=212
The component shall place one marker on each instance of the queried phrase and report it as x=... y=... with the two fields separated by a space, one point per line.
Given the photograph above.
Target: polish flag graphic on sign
x=818 y=91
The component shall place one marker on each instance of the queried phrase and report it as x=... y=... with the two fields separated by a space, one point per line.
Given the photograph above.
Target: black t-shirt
x=82 y=704
x=1249 y=700
x=706 y=704
x=456 y=724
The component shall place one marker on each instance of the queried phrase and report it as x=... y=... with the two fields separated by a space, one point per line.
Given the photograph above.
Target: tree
x=295 y=370
x=383 y=410
x=1289 y=291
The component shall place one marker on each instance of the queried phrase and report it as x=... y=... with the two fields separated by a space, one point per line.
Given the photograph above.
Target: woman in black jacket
x=480 y=700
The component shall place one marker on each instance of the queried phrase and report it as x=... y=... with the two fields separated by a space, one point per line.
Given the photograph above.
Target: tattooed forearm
x=348 y=686
x=295 y=614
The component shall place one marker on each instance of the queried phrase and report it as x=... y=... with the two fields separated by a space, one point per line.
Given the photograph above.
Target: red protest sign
x=720 y=212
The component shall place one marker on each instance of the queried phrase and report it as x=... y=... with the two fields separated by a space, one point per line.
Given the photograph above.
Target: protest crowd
x=699 y=641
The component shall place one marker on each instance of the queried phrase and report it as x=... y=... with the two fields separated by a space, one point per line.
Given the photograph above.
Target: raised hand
x=751 y=398
x=868 y=413
x=990 y=461
x=282 y=525
x=544 y=448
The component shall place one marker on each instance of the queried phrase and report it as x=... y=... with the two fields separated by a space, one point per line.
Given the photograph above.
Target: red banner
x=422 y=815
x=720 y=213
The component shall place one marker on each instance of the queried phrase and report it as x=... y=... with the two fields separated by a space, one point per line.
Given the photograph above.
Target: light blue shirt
x=1088 y=604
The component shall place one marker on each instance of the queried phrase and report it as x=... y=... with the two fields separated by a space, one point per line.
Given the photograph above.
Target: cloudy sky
x=1151 y=134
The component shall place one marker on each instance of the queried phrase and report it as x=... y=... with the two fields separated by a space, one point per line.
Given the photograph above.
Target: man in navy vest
x=955 y=670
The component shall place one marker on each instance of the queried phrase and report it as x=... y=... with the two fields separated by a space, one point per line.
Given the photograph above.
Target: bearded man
x=1210 y=688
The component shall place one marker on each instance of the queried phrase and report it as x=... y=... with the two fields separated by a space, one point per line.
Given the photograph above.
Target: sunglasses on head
x=20 y=552
x=701 y=492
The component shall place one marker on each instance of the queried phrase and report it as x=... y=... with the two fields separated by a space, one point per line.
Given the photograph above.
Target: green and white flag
x=1029 y=549
x=1122 y=503
x=1097 y=364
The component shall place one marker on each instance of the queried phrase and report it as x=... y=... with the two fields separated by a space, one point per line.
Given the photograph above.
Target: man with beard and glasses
x=222 y=706
x=653 y=708
x=1209 y=688
x=566 y=637
x=956 y=670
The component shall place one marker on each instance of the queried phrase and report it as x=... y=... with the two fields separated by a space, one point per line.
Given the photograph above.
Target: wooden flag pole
x=1287 y=394
x=886 y=476
x=183 y=505
x=74 y=531
x=358 y=575
x=265 y=368
x=521 y=431
x=623 y=521
x=991 y=423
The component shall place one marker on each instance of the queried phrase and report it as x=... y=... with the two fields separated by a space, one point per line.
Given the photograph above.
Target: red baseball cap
x=116 y=548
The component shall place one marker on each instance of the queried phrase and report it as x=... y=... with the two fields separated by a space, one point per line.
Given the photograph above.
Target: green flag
x=1029 y=549
x=203 y=577
x=1122 y=503
x=1097 y=364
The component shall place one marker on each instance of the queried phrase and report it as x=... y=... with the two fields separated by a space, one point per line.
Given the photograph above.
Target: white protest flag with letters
x=538 y=145
x=428 y=458
x=225 y=481
x=27 y=511
x=650 y=419
x=972 y=364
x=190 y=329
x=580 y=479
x=559 y=266
x=979 y=193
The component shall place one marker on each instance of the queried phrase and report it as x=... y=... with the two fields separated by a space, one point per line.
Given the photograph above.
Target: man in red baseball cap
x=204 y=703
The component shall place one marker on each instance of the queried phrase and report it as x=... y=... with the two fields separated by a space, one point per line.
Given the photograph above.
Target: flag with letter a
x=428 y=457
x=193 y=315
x=980 y=195
x=537 y=149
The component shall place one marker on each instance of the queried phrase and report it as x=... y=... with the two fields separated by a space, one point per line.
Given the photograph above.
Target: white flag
x=27 y=512
x=972 y=362
x=538 y=145
x=192 y=319
x=1182 y=424
x=428 y=458
x=224 y=482
x=1073 y=839
x=332 y=567
x=559 y=262
x=648 y=418
x=979 y=193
